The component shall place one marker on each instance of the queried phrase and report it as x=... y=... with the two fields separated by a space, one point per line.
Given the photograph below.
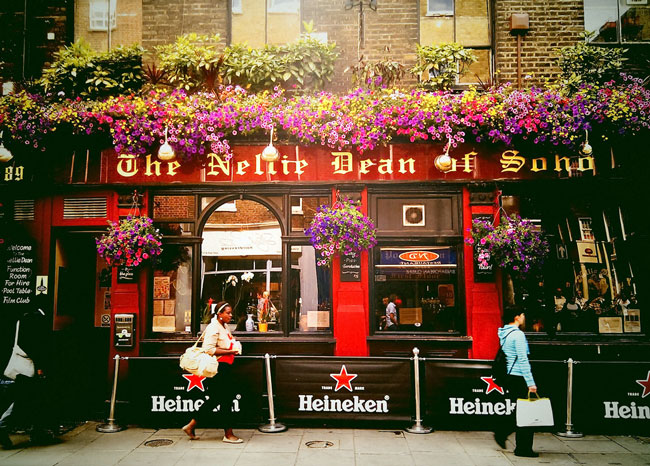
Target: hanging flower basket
x=340 y=229
x=130 y=242
x=516 y=245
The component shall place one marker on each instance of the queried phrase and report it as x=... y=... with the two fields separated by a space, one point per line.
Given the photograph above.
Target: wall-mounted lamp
x=586 y=148
x=270 y=153
x=166 y=152
x=5 y=155
x=443 y=162
x=372 y=4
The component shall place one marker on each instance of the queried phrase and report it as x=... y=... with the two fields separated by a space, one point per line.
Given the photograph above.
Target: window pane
x=419 y=286
x=635 y=20
x=303 y=210
x=600 y=17
x=479 y=71
x=242 y=264
x=440 y=7
x=311 y=291
x=472 y=23
x=172 y=290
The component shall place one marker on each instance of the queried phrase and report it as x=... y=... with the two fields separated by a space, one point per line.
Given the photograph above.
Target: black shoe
x=500 y=439
x=527 y=454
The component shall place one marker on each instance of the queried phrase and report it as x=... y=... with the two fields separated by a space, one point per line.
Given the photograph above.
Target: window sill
x=418 y=336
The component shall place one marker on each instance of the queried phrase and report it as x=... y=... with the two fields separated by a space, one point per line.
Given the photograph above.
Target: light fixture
x=5 y=155
x=586 y=149
x=166 y=152
x=372 y=4
x=443 y=162
x=270 y=153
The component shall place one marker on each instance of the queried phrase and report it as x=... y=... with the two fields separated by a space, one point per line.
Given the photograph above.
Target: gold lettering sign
x=126 y=166
x=342 y=162
x=511 y=161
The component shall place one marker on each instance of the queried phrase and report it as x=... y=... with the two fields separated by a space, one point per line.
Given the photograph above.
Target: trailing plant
x=130 y=242
x=440 y=66
x=79 y=71
x=192 y=62
x=378 y=74
x=588 y=63
x=516 y=245
x=340 y=229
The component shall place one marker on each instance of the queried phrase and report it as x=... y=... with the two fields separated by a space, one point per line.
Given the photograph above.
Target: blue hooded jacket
x=515 y=346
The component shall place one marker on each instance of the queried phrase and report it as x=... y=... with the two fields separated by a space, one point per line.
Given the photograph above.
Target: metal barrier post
x=569 y=404
x=110 y=427
x=417 y=428
x=272 y=426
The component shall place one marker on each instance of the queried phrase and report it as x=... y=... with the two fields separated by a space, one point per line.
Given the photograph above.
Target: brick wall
x=164 y=20
x=173 y=207
x=394 y=24
x=247 y=212
x=553 y=24
x=128 y=22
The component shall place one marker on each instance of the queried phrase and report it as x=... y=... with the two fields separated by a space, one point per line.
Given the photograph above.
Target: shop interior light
x=586 y=149
x=5 y=155
x=443 y=162
x=270 y=153
x=166 y=152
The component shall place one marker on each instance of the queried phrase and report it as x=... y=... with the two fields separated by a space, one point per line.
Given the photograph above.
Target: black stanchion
x=272 y=427
x=110 y=426
x=417 y=428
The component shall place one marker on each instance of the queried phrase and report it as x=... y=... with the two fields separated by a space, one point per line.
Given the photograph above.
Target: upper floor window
x=99 y=14
x=284 y=6
x=261 y=22
x=236 y=6
x=440 y=7
x=616 y=21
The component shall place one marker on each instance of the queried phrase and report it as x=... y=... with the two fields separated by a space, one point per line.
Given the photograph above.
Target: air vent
x=84 y=207
x=24 y=209
x=413 y=215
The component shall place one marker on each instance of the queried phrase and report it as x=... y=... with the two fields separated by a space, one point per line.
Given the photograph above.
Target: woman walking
x=218 y=341
x=519 y=380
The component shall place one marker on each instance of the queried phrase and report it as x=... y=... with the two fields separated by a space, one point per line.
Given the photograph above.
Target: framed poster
x=610 y=325
x=161 y=287
x=632 y=320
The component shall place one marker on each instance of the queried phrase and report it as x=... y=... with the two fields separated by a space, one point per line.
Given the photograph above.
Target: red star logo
x=491 y=385
x=646 y=385
x=194 y=381
x=343 y=379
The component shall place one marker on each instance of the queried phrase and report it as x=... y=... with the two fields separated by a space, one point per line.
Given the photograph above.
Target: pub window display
x=242 y=264
x=172 y=290
x=311 y=291
x=415 y=289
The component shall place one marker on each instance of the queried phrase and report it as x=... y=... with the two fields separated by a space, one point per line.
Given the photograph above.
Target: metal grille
x=319 y=444
x=159 y=442
x=84 y=207
x=24 y=209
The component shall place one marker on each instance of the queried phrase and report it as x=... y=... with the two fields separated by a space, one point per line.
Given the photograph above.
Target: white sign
x=257 y=242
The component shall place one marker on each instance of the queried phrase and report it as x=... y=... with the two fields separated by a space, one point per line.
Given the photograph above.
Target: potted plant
x=340 y=229
x=516 y=245
x=130 y=242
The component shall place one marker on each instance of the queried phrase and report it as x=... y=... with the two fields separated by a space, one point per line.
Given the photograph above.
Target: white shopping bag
x=534 y=412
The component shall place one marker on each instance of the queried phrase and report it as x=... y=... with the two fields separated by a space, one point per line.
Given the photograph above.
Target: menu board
x=350 y=269
x=17 y=276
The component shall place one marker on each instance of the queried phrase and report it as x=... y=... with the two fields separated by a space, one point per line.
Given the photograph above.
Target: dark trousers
x=221 y=390
x=516 y=387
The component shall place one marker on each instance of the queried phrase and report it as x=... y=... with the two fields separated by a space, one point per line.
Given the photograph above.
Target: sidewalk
x=84 y=446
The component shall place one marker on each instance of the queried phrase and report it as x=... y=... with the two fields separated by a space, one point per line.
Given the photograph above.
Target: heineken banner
x=162 y=395
x=359 y=389
x=460 y=393
x=612 y=397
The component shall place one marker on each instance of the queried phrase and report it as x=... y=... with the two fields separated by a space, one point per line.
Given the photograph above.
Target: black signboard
x=353 y=389
x=161 y=394
x=126 y=274
x=482 y=273
x=17 y=274
x=612 y=397
x=460 y=393
x=350 y=269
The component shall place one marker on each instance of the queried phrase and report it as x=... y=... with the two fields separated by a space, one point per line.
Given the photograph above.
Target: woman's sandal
x=232 y=440
x=190 y=432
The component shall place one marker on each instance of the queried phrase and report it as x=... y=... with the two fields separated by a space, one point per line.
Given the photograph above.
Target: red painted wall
x=350 y=301
x=482 y=299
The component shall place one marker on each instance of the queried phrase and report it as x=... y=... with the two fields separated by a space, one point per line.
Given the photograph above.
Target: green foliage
x=584 y=63
x=382 y=73
x=79 y=71
x=306 y=63
x=439 y=66
x=193 y=61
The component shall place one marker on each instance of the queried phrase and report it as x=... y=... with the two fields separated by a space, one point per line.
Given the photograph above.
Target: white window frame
x=432 y=12
x=97 y=15
x=236 y=7
x=283 y=6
